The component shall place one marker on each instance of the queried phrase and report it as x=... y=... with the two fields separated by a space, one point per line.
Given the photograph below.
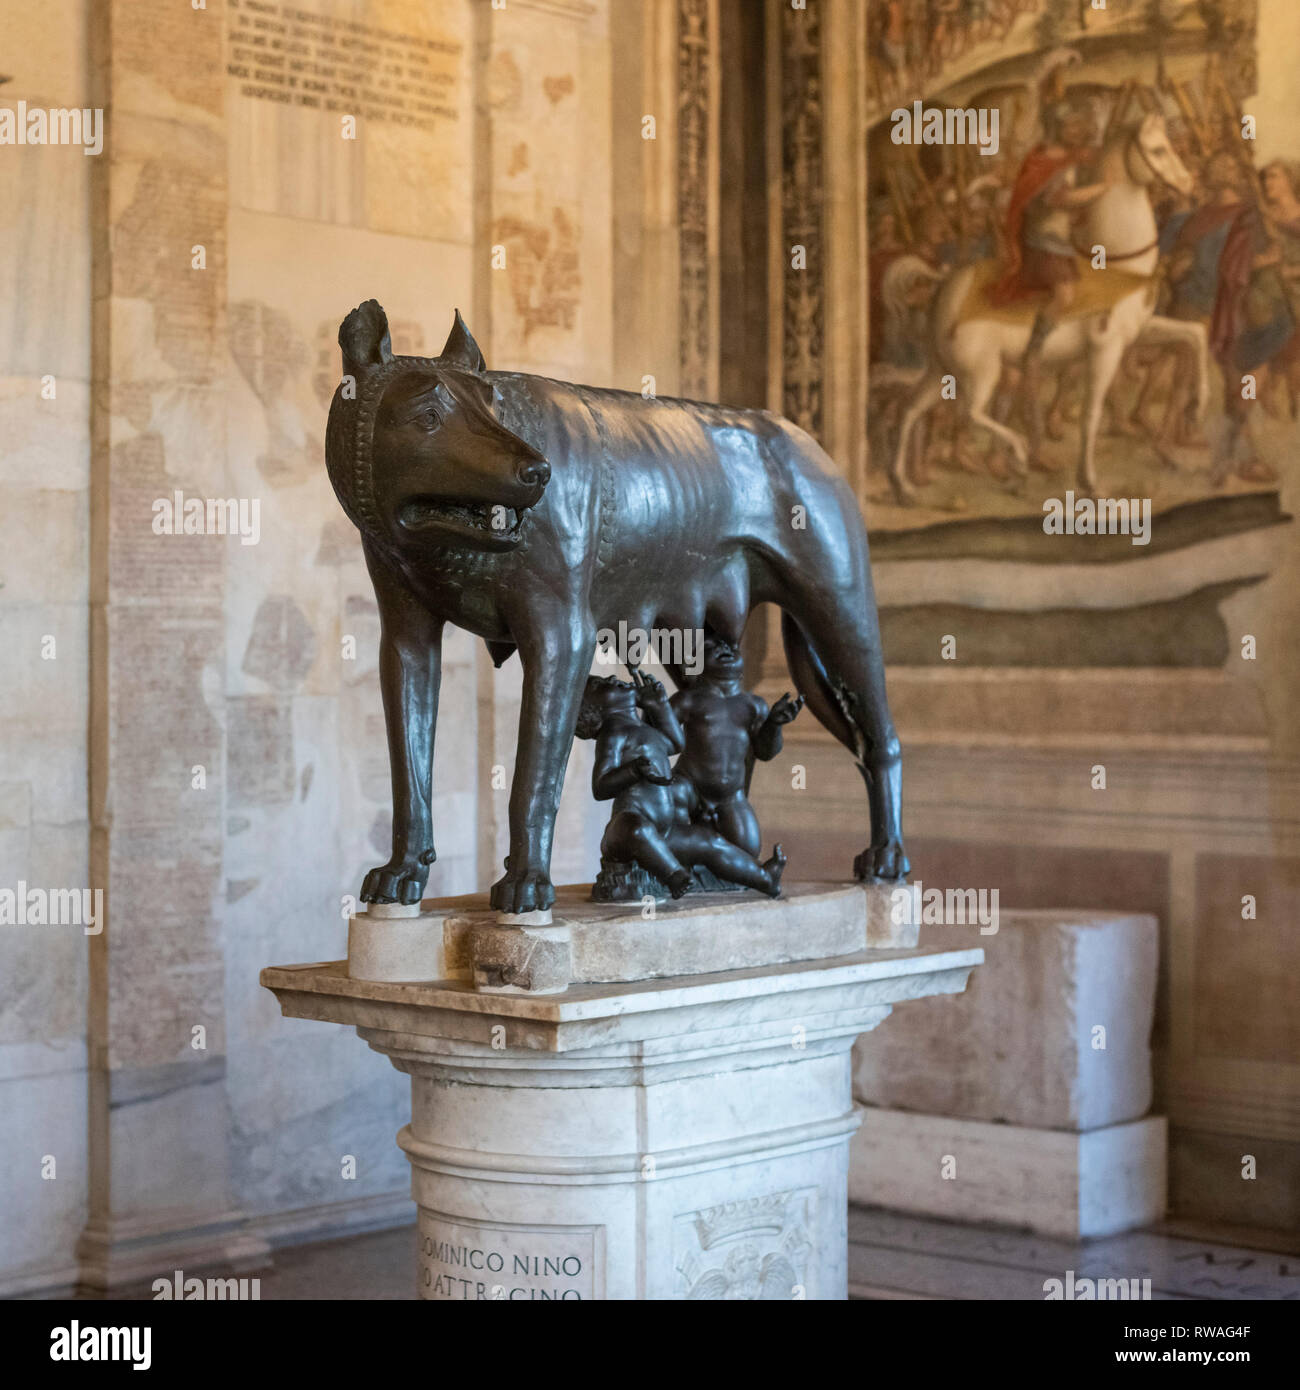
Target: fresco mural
x=1084 y=284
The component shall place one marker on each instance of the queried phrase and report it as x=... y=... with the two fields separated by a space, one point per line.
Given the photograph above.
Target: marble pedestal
x=1024 y=1103
x=1068 y=1184
x=678 y=1136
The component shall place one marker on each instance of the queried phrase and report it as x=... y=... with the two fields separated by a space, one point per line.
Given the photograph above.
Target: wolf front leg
x=555 y=671
x=410 y=665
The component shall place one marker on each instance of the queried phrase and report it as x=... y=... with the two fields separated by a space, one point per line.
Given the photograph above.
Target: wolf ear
x=363 y=336
x=461 y=350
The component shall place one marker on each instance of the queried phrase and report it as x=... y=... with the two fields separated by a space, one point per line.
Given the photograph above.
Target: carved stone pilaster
x=801 y=244
x=697 y=192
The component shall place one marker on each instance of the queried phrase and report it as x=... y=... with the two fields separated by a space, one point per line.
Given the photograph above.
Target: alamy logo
x=915 y=904
x=56 y=126
x=179 y=515
x=52 y=907
x=77 y=1343
x=1071 y=1289
x=962 y=125
x=180 y=1289
x=1101 y=516
x=669 y=646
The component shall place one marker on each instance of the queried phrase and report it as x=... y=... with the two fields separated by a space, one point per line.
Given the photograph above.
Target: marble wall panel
x=309 y=806
x=548 y=99
x=1247 y=958
x=238 y=779
x=45 y=371
x=402 y=68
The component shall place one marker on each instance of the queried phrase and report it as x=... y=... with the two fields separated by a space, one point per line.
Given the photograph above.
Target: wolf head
x=415 y=450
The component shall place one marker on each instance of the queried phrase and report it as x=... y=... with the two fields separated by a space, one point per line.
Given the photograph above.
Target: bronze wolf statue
x=536 y=514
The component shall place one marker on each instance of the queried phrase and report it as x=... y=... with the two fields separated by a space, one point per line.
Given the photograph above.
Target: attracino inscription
x=480 y=1263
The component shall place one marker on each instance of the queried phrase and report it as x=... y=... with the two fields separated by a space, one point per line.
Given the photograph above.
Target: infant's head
x=600 y=696
x=721 y=659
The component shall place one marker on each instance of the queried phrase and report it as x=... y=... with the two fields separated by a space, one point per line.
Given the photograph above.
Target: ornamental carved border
x=803 y=200
x=694 y=114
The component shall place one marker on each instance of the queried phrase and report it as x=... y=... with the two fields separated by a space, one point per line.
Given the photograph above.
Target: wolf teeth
x=478 y=514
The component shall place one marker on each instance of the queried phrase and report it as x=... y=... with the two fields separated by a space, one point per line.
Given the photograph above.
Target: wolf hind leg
x=841 y=674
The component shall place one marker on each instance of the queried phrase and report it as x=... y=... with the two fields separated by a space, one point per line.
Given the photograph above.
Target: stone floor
x=890 y=1257
x=378 y=1265
x=893 y=1256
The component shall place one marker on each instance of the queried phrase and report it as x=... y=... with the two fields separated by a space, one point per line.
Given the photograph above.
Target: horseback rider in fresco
x=1045 y=200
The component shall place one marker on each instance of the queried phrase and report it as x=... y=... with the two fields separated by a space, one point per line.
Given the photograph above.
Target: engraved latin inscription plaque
x=472 y=1261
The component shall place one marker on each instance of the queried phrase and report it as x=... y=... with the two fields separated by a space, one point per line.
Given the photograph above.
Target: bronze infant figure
x=535 y=513
x=725 y=728
x=660 y=823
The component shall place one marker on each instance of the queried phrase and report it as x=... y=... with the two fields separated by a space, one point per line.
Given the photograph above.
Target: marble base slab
x=126 y=1250
x=677 y=1137
x=1055 y=1182
x=600 y=943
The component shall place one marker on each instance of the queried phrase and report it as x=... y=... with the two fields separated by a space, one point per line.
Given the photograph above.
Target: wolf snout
x=536 y=473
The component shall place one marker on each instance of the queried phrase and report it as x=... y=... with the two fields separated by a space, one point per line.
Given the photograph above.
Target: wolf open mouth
x=487 y=523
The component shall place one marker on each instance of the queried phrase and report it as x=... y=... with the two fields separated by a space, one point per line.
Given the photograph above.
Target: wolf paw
x=398 y=881
x=523 y=890
x=885 y=863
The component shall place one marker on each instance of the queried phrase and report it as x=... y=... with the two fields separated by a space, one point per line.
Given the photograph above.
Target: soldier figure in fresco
x=1045 y=200
x=1253 y=327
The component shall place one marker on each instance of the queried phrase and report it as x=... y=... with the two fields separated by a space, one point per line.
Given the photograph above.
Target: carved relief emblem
x=756 y=1248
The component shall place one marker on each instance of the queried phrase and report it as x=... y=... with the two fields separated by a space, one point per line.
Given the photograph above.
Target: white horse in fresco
x=975 y=350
